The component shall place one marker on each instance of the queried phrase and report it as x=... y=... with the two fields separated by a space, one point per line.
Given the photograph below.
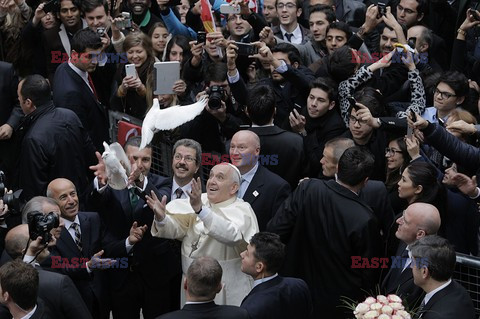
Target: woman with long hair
x=134 y=95
x=159 y=35
x=398 y=158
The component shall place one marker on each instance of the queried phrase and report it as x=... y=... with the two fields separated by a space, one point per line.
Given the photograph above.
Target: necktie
x=419 y=311
x=78 y=236
x=179 y=193
x=92 y=86
x=133 y=197
x=288 y=36
x=243 y=188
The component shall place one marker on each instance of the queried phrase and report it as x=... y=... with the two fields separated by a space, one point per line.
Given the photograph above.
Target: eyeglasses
x=353 y=120
x=187 y=159
x=443 y=95
x=288 y=5
x=392 y=151
x=407 y=11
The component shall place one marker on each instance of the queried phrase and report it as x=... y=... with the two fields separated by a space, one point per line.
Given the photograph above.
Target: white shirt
x=186 y=190
x=433 y=292
x=30 y=314
x=82 y=74
x=262 y=280
x=246 y=180
x=70 y=228
x=296 y=35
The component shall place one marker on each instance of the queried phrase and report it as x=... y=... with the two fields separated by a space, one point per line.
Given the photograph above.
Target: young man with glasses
x=289 y=29
x=449 y=93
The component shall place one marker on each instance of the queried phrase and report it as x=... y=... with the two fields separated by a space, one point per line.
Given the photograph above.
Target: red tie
x=92 y=86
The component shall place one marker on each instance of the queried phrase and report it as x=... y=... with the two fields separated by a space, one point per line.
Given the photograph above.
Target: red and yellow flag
x=207 y=17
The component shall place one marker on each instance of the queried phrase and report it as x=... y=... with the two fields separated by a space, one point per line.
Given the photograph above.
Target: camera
x=382 y=9
x=10 y=199
x=50 y=6
x=41 y=225
x=101 y=31
x=246 y=49
x=126 y=23
x=216 y=94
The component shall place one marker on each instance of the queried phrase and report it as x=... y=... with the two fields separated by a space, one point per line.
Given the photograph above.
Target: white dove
x=117 y=166
x=166 y=119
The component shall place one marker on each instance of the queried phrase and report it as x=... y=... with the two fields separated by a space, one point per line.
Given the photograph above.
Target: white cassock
x=222 y=234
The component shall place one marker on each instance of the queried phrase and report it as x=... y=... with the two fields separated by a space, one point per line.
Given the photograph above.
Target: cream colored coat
x=223 y=235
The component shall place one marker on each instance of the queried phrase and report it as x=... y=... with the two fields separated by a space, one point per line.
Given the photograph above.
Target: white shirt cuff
x=235 y=78
x=97 y=187
x=28 y=259
x=128 y=246
x=282 y=68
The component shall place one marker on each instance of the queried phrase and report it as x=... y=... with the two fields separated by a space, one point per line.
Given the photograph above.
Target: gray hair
x=36 y=204
x=186 y=142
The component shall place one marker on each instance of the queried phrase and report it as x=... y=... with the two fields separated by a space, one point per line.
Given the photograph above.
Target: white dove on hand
x=117 y=166
x=166 y=119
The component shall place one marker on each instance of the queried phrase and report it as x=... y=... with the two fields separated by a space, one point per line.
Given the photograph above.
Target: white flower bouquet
x=389 y=307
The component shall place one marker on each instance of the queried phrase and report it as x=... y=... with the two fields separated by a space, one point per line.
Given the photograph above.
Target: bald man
x=417 y=221
x=80 y=243
x=216 y=224
x=264 y=190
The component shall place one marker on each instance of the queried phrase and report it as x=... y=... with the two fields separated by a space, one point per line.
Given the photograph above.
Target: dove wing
x=177 y=115
x=148 y=125
x=121 y=156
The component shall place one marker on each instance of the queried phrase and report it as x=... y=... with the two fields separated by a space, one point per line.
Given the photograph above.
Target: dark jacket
x=54 y=144
x=70 y=91
x=208 y=310
x=279 y=298
x=324 y=224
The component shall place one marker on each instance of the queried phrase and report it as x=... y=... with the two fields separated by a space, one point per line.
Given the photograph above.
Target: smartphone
x=413 y=116
x=130 y=70
x=409 y=132
x=382 y=9
x=201 y=37
x=50 y=6
x=229 y=9
x=353 y=103
x=475 y=15
x=246 y=49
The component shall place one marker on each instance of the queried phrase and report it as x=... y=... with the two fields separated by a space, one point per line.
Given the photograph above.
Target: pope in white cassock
x=215 y=224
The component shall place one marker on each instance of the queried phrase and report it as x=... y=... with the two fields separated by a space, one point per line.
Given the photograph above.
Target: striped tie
x=78 y=236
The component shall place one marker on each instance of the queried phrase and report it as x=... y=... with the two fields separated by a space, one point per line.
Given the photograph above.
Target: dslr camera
x=41 y=225
x=216 y=94
x=10 y=199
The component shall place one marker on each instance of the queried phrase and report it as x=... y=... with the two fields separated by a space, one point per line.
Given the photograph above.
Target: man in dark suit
x=154 y=268
x=80 y=240
x=264 y=190
x=202 y=283
x=187 y=159
x=272 y=296
x=54 y=142
x=284 y=149
x=417 y=221
x=19 y=289
x=289 y=29
x=73 y=87
x=325 y=223
x=61 y=298
x=432 y=266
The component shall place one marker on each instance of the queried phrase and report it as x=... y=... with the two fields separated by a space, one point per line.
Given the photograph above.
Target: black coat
x=265 y=193
x=54 y=145
x=324 y=224
x=208 y=310
x=279 y=298
x=70 y=91
x=90 y=285
x=154 y=268
x=449 y=303
x=286 y=148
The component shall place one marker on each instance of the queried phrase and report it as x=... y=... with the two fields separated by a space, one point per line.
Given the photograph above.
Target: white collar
x=262 y=280
x=186 y=188
x=30 y=314
x=248 y=176
x=297 y=32
x=434 y=291
x=68 y=224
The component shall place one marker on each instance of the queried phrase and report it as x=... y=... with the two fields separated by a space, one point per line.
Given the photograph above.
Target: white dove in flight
x=167 y=119
x=117 y=166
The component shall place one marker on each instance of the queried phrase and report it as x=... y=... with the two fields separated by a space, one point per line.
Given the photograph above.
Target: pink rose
x=361 y=309
x=382 y=299
x=396 y=306
x=370 y=300
x=373 y=314
x=394 y=298
x=387 y=310
x=403 y=314
x=384 y=316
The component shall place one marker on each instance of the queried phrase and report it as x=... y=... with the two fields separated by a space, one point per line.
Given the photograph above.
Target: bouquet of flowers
x=382 y=307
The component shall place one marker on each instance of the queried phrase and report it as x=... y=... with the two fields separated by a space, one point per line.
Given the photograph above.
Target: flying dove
x=117 y=166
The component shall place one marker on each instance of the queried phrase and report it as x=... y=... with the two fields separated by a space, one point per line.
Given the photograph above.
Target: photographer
x=222 y=116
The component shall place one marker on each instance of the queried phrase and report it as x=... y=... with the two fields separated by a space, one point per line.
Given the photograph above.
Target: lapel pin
x=255 y=193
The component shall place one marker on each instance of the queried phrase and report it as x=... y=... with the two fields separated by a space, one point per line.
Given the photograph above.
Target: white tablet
x=166 y=74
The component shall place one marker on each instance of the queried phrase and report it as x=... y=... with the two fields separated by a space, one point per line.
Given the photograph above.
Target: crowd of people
x=347 y=132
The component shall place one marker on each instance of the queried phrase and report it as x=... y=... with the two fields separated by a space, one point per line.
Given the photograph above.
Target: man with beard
x=154 y=268
x=215 y=224
x=74 y=89
x=57 y=41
